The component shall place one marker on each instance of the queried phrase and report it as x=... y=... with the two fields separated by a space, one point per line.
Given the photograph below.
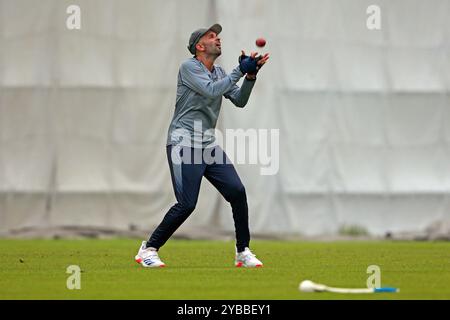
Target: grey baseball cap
x=197 y=34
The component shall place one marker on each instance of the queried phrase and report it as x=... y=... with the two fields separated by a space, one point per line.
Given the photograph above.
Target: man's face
x=210 y=44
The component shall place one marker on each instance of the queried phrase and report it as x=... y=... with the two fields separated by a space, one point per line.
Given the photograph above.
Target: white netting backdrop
x=364 y=116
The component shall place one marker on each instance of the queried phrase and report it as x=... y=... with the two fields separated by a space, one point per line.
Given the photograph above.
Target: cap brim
x=217 y=28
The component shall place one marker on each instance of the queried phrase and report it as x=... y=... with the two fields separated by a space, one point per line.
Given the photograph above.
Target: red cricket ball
x=260 y=42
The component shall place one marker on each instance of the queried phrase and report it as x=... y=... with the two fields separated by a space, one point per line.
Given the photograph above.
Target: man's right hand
x=260 y=61
x=248 y=64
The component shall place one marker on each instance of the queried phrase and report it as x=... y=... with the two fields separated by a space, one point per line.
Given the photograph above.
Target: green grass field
x=204 y=269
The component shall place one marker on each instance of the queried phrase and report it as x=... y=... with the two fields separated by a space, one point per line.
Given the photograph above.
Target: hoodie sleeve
x=194 y=77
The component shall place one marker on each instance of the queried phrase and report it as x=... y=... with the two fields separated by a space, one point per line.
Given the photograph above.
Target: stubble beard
x=214 y=51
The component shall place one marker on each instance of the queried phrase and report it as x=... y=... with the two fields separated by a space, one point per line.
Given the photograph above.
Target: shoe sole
x=139 y=261
x=241 y=264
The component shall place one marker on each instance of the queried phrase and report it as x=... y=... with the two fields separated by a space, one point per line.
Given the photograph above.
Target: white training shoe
x=247 y=259
x=148 y=258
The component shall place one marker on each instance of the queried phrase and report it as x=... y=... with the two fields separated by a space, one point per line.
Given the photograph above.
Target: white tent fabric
x=364 y=115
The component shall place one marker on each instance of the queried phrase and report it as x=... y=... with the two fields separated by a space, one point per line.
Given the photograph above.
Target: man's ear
x=199 y=47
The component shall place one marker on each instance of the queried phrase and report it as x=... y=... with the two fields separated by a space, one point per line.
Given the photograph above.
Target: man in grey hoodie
x=201 y=85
